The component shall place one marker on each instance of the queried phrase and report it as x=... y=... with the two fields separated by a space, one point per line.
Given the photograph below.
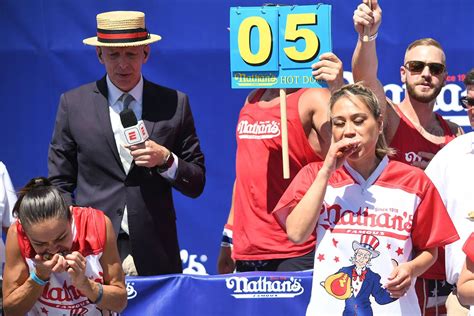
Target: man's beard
x=425 y=98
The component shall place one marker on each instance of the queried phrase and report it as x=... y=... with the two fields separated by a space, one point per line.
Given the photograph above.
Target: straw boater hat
x=121 y=29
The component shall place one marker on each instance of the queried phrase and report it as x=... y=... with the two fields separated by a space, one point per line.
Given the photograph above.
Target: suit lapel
x=103 y=115
x=147 y=106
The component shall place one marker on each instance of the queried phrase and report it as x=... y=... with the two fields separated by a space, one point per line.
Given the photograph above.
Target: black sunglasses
x=467 y=102
x=418 y=66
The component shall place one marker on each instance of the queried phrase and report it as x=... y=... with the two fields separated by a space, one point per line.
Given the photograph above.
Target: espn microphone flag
x=135 y=131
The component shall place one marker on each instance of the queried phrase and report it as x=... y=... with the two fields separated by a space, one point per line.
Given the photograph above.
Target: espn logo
x=136 y=134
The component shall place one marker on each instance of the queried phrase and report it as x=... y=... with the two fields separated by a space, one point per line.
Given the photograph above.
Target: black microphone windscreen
x=128 y=118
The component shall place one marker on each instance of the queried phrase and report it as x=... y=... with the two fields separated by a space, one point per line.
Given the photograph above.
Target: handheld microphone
x=135 y=131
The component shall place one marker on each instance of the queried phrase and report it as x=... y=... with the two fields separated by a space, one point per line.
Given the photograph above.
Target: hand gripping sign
x=274 y=47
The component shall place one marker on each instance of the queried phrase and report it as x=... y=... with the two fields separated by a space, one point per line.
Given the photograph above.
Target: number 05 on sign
x=275 y=46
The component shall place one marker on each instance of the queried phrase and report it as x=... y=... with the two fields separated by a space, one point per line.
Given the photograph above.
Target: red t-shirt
x=259 y=179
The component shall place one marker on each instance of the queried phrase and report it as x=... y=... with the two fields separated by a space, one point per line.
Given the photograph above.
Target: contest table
x=249 y=293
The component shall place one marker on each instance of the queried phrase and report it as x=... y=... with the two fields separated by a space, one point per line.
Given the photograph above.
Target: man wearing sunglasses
x=448 y=171
x=411 y=127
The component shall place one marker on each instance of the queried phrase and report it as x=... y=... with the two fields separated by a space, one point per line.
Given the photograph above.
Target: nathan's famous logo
x=66 y=293
x=66 y=296
x=264 y=287
x=264 y=80
x=390 y=222
x=258 y=130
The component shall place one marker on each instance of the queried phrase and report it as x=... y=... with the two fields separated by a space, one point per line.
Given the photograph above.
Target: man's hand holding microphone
x=145 y=152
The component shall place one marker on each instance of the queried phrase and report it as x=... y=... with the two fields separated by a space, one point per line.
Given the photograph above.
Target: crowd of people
x=412 y=134
x=375 y=199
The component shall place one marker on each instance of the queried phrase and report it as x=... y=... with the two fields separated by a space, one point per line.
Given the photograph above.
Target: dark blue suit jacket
x=83 y=162
x=360 y=305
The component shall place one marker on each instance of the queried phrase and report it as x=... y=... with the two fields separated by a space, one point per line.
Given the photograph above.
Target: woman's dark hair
x=40 y=200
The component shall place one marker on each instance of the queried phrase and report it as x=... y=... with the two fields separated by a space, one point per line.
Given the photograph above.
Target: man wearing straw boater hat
x=89 y=158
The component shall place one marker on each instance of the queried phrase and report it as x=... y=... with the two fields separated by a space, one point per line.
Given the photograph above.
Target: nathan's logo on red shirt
x=384 y=222
x=412 y=157
x=258 y=130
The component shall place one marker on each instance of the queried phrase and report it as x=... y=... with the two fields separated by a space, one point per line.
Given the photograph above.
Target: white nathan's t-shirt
x=366 y=227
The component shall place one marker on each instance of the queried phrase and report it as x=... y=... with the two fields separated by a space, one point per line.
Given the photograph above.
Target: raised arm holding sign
x=367 y=36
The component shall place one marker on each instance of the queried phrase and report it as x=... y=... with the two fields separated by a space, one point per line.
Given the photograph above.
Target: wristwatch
x=167 y=164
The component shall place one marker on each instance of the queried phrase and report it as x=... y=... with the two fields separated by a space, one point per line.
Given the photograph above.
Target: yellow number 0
x=292 y=33
x=265 y=48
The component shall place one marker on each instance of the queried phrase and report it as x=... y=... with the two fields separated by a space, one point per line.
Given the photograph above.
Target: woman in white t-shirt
x=378 y=223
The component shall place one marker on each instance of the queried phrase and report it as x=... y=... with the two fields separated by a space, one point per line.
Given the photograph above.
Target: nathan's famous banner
x=275 y=46
x=264 y=293
x=195 y=60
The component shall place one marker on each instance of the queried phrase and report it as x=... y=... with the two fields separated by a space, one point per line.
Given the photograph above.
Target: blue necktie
x=126 y=99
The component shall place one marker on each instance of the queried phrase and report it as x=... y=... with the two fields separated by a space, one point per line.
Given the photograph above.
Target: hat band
x=122 y=36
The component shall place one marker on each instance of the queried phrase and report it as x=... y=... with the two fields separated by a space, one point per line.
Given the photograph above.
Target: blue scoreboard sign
x=275 y=46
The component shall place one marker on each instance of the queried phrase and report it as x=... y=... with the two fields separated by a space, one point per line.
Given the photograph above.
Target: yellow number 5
x=292 y=34
x=265 y=47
